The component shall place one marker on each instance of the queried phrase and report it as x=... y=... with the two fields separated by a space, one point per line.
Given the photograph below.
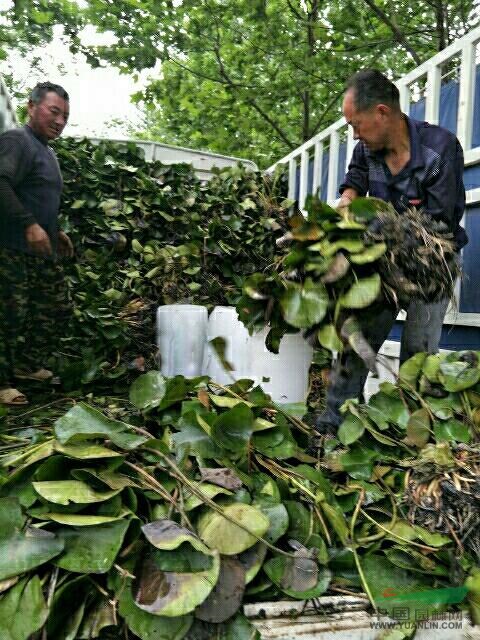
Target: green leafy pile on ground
x=148 y=234
x=159 y=516
x=339 y=270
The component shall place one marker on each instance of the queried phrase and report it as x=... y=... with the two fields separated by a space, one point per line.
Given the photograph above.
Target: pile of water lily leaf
x=147 y=234
x=339 y=271
x=160 y=515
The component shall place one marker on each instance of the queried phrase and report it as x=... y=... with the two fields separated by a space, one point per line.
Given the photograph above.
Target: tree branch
x=322 y=116
x=295 y=11
x=399 y=36
x=250 y=101
x=199 y=74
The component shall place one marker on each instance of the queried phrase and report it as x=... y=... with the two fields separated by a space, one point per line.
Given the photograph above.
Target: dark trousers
x=33 y=311
x=421 y=332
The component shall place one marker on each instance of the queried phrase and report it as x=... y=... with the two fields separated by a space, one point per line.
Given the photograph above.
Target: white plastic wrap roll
x=287 y=371
x=181 y=339
x=224 y=323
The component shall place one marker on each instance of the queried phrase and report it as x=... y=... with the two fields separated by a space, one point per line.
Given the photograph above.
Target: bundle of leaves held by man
x=342 y=265
x=147 y=234
x=161 y=517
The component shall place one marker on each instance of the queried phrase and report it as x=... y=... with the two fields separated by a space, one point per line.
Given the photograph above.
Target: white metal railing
x=431 y=70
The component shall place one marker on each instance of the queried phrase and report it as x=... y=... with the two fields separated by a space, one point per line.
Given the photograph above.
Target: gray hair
x=42 y=88
x=370 y=87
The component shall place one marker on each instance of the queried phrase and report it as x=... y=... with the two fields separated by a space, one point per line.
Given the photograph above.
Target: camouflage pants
x=33 y=310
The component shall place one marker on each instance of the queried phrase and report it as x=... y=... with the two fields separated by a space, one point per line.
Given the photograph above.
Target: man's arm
x=355 y=183
x=15 y=162
x=444 y=190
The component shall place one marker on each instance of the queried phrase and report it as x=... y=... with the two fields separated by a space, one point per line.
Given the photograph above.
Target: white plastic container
x=181 y=339
x=343 y=618
x=224 y=323
x=284 y=376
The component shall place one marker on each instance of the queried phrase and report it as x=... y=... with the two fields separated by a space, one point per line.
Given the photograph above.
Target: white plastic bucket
x=284 y=376
x=224 y=323
x=181 y=339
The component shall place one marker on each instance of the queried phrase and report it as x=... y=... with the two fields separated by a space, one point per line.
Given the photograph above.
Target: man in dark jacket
x=410 y=164
x=32 y=293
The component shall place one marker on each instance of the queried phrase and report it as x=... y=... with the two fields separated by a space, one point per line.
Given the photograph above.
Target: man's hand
x=65 y=246
x=38 y=240
x=346 y=199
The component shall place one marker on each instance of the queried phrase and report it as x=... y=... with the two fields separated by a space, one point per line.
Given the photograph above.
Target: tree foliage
x=253 y=78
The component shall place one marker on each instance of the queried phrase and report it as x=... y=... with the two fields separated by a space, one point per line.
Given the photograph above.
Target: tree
x=256 y=78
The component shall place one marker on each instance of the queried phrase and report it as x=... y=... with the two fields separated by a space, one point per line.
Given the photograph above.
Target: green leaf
x=11 y=518
x=367 y=208
x=168 y=535
x=148 y=391
x=452 y=430
x=362 y=293
x=23 y=610
x=252 y=560
x=29 y=456
x=219 y=346
x=300 y=521
x=20 y=553
x=472 y=583
x=457 y=376
x=384 y=409
x=411 y=369
x=277 y=568
x=328 y=249
x=83 y=422
x=151 y=627
x=352 y=332
x=304 y=305
x=329 y=339
x=277 y=515
x=67 y=609
x=232 y=429
x=431 y=367
x=444 y=408
x=440 y=454
x=358 y=462
x=79 y=519
x=276 y=443
x=99 y=617
x=407 y=531
x=351 y=429
x=85 y=451
x=227 y=402
x=193 y=440
x=418 y=428
x=304 y=229
x=208 y=491
x=171 y=594
x=239 y=628
x=384 y=578
x=337 y=269
x=91 y=549
x=372 y=253
x=336 y=518
x=226 y=597
x=407 y=558
x=226 y=536
x=67 y=491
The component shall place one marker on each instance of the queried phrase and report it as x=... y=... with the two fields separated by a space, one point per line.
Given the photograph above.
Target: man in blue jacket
x=32 y=294
x=410 y=164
